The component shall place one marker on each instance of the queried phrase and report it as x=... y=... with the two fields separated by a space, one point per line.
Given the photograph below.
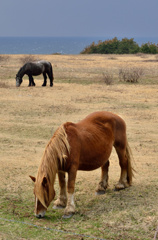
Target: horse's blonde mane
x=55 y=153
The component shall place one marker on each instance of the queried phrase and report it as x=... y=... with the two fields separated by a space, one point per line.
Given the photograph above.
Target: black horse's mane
x=21 y=71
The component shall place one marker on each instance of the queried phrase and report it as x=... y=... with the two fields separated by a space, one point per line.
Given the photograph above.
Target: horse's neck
x=21 y=72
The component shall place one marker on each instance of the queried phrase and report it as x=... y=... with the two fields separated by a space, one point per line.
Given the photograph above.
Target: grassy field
x=30 y=115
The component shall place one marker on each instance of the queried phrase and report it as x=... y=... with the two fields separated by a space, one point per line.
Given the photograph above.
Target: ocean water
x=50 y=45
x=44 y=45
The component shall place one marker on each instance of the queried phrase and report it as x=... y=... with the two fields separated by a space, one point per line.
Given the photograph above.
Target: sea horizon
x=51 y=45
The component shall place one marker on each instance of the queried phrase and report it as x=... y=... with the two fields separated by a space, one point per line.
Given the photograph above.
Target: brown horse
x=86 y=145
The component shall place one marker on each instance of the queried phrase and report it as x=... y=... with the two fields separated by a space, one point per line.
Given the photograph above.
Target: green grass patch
x=112 y=216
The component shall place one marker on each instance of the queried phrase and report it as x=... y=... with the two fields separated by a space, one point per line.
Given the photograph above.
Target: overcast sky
x=120 y=18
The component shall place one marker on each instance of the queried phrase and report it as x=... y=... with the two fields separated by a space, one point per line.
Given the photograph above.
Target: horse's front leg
x=45 y=80
x=31 y=81
x=70 y=208
x=103 y=184
x=62 y=199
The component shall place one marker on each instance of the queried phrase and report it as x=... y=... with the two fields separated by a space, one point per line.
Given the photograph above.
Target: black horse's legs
x=50 y=78
x=45 y=80
x=31 y=81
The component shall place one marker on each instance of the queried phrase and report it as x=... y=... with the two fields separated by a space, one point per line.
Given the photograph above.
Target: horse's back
x=44 y=62
x=99 y=122
x=102 y=116
x=38 y=67
x=102 y=119
x=93 y=138
x=114 y=122
x=38 y=64
x=100 y=125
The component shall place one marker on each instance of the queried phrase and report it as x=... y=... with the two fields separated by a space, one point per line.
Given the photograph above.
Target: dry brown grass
x=29 y=116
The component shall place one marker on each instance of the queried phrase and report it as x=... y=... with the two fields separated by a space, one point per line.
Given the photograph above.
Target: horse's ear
x=44 y=182
x=33 y=178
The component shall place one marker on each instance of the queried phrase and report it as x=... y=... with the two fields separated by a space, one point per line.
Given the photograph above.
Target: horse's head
x=44 y=194
x=18 y=81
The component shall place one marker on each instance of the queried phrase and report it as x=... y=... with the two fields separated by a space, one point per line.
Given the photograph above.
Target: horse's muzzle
x=40 y=215
x=17 y=84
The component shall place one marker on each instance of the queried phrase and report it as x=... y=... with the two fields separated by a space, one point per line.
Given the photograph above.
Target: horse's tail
x=51 y=72
x=130 y=169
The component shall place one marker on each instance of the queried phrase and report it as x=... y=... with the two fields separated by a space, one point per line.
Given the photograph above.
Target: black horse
x=34 y=69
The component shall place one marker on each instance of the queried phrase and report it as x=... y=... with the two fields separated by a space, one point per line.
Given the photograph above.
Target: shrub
x=108 y=78
x=124 y=46
x=90 y=49
x=130 y=74
x=149 y=48
x=128 y=46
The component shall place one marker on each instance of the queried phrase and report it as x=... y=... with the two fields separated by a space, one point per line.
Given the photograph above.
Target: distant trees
x=124 y=46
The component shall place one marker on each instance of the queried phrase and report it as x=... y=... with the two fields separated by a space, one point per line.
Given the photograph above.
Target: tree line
x=124 y=46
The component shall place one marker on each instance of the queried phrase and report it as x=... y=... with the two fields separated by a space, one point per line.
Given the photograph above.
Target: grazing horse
x=86 y=145
x=35 y=69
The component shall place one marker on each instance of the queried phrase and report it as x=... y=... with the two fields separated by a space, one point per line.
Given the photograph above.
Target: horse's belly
x=37 y=72
x=89 y=164
x=84 y=167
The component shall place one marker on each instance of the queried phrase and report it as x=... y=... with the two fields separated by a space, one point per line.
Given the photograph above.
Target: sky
x=85 y=18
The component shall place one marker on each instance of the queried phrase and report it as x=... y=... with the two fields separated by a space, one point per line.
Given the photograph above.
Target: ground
x=30 y=115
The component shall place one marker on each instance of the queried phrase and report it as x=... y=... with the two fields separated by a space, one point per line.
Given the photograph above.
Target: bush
x=106 y=47
x=124 y=46
x=149 y=48
x=130 y=74
x=108 y=78
x=128 y=46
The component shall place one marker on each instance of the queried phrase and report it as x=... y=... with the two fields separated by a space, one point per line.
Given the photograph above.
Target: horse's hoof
x=58 y=207
x=65 y=216
x=101 y=192
x=119 y=187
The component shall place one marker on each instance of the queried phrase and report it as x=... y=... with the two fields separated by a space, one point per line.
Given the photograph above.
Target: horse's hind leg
x=62 y=199
x=45 y=80
x=51 y=77
x=123 y=161
x=103 y=184
x=51 y=80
